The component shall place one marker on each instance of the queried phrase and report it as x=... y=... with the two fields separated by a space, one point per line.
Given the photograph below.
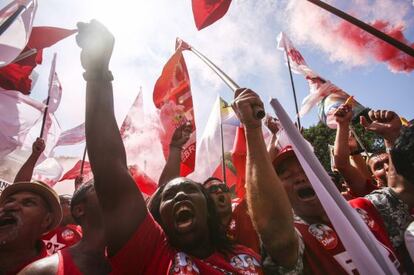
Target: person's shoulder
x=45 y=266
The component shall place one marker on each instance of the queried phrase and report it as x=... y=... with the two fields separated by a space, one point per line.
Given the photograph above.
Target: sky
x=242 y=43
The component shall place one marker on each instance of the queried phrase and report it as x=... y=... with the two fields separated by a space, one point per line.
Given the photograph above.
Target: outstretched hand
x=181 y=135
x=385 y=123
x=244 y=104
x=271 y=124
x=38 y=146
x=97 y=44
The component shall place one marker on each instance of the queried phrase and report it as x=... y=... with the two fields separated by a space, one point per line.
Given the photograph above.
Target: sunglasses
x=215 y=188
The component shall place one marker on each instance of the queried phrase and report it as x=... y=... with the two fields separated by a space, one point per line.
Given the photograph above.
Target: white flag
x=18 y=114
x=15 y=37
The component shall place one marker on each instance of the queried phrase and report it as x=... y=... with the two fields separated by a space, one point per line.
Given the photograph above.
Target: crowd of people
x=187 y=227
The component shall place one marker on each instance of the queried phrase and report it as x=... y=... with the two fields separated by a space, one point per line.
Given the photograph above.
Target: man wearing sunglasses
x=221 y=196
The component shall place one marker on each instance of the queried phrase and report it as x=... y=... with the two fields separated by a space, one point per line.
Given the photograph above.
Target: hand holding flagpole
x=259 y=111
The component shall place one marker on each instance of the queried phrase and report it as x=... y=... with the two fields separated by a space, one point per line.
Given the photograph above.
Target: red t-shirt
x=61 y=237
x=66 y=264
x=240 y=228
x=148 y=252
x=324 y=252
x=42 y=254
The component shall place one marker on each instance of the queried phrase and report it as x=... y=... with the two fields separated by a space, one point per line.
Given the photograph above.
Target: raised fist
x=181 y=135
x=244 y=104
x=97 y=44
x=385 y=123
x=38 y=146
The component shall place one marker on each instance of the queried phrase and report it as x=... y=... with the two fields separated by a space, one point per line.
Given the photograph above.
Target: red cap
x=283 y=154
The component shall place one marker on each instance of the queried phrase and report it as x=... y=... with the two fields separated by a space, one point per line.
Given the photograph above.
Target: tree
x=320 y=136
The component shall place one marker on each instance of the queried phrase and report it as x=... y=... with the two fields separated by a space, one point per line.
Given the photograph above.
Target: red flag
x=144 y=183
x=75 y=171
x=16 y=76
x=206 y=12
x=239 y=153
x=172 y=95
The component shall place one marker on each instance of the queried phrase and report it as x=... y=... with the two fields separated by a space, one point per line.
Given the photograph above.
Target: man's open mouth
x=306 y=193
x=7 y=221
x=184 y=217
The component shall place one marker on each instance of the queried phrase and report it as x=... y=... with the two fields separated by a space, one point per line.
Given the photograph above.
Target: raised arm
x=355 y=179
x=172 y=166
x=26 y=171
x=268 y=202
x=271 y=124
x=121 y=201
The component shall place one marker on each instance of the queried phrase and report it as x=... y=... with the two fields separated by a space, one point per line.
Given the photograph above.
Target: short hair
x=217 y=232
x=211 y=179
x=79 y=196
x=402 y=154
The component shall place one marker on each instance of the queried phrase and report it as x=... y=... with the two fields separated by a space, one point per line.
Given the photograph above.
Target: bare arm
x=26 y=171
x=121 y=201
x=356 y=179
x=268 y=202
x=172 y=166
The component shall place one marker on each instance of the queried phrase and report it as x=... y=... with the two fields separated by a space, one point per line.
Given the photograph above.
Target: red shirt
x=240 y=228
x=61 y=237
x=42 y=254
x=324 y=252
x=148 y=252
x=66 y=264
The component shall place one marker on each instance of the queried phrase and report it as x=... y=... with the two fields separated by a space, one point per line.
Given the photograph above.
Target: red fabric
x=239 y=154
x=15 y=76
x=231 y=178
x=172 y=95
x=144 y=183
x=240 y=228
x=327 y=255
x=148 y=252
x=66 y=264
x=75 y=171
x=206 y=12
x=61 y=237
x=42 y=254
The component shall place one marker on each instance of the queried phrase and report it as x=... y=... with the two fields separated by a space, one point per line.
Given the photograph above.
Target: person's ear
x=78 y=211
x=47 y=222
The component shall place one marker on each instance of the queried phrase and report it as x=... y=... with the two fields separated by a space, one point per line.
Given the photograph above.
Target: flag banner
x=18 y=115
x=75 y=171
x=49 y=171
x=209 y=153
x=172 y=96
x=142 y=180
x=322 y=92
x=239 y=160
x=367 y=254
x=15 y=37
x=72 y=136
x=19 y=74
x=140 y=132
x=55 y=89
x=206 y=12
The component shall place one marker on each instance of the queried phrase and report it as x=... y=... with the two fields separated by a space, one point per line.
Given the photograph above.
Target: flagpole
x=375 y=32
x=83 y=161
x=259 y=111
x=223 y=164
x=6 y=24
x=51 y=75
x=352 y=129
x=293 y=88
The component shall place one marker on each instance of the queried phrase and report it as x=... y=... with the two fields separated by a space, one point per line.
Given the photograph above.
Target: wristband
x=98 y=76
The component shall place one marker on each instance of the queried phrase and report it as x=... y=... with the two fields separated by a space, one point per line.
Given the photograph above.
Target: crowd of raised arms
x=188 y=227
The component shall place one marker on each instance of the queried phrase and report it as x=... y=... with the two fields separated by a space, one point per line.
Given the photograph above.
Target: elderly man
x=27 y=211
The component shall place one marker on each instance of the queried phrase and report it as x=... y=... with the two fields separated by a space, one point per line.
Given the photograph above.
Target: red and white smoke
x=347 y=43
